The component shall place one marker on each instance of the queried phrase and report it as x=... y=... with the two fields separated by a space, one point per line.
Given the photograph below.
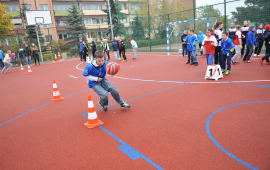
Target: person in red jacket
x=209 y=42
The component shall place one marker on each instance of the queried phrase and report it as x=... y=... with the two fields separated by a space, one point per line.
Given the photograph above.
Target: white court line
x=73 y=76
x=178 y=82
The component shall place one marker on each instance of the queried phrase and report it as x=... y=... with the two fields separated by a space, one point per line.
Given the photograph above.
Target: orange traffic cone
x=93 y=120
x=22 y=69
x=55 y=58
x=29 y=70
x=59 y=56
x=56 y=94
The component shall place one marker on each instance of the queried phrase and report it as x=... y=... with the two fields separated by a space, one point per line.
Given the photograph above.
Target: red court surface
x=177 y=120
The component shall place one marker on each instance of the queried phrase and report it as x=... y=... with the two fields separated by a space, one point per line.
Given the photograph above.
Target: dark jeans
x=189 y=55
x=81 y=55
x=84 y=56
x=22 y=60
x=243 y=46
x=248 y=53
x=184 y=49
x=108 y=54
x=259 y=47
x=123 y=51
x=267 y=54
x=1 y=63
x=36 y=58
x=93 y=52
x=228 y=58
x=200 y=45
x=218 y=54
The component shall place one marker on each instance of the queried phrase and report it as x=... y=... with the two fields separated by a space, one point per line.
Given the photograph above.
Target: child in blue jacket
x=95 y=73
x=227 y=46
x=188 y=52
x=193 y=41
x=251 y=41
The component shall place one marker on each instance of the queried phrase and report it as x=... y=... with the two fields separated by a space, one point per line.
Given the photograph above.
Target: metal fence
x=150 y=32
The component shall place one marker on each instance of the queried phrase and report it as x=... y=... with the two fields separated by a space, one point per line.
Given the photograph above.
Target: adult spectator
x=94 y=47
x=27 y=54
x=85 y=51
x=115 y=49
x=35 y=55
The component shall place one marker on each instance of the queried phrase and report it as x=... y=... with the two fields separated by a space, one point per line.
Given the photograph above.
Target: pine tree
x=118 y=27
x=138 y=30
x=31 y=35
x=76 y=29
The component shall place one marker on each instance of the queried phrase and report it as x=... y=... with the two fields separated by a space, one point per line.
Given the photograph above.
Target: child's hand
x=100 y=79
x=241 y=47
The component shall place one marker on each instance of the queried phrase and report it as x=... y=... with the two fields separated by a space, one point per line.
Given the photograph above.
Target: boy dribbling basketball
x=95 y=73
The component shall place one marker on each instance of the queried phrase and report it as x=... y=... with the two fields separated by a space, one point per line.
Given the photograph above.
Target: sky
x=230 y=6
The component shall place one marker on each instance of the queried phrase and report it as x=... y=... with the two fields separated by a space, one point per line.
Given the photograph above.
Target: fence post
x=149 y=26
x=169 y=22
x=225 y=24
x=19 y=38
x=194 y=14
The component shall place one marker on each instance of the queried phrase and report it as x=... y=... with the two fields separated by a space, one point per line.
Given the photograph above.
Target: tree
x=31 y=35
x=76 y=27
x=214 y=14
x=118 y=27
x=138 y=30
x=255 y=10
x=5 y=21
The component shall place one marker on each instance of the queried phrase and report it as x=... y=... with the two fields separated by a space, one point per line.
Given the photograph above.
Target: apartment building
x=94 y=17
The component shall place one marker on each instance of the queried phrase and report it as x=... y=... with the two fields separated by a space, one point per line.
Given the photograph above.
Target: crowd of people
x=118 y=48
x=25 y=55
x=223 y=48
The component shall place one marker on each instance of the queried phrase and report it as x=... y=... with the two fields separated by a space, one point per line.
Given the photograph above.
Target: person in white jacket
x=6 y=61
x=134 y=47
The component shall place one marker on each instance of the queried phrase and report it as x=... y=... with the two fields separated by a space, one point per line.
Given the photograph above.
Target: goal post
x=174 y=29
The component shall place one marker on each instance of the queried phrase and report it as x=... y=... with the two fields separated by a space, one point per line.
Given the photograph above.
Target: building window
x=29 y=7
x=48 y=38
x=18 y=25
x=13 y=8
x=43 y=7
x=62 y=36
x=46 y=25
x=135 y=7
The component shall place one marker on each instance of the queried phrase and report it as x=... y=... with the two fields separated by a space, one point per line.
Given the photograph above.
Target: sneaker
x=242 y=55
x=108 y=60
x=249 y=61
x=233 y=62
x=258 y=55
x=103 y=107
x=192 y=63
x=255 y=55
x=125 y=105
x=187 y=62
x=133 y=58
x=237 y=62
x=196 y=63
x=115 y=60
x=227 y=73
x=124 y=60
x=261 y=61
x=223 y=71
x=268 y=63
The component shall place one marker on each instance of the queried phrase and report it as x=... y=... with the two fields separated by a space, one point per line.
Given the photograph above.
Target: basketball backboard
x=37 y=17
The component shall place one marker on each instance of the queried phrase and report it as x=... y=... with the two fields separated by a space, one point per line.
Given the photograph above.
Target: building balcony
x=61 y=13
x=93 y=12
x=14 y=13
x=96 y=26
x=124 y=11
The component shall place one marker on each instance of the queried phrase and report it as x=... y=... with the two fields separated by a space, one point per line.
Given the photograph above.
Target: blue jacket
x=200 y=37
x=251 y=41
x=80 y=44
x=267 y=38
x=21 y=54
x=227 y=46
x=1 y=54
x=188 y=41
x=115 y=45
x=95 y=71
x=192 y=40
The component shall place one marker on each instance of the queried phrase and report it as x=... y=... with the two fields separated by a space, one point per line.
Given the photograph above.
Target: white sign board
x=38 y=17
x=213 y=72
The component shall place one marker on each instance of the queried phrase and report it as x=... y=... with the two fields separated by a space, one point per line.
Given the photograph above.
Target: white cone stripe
x=90 y=104
x=92 y=116
x=54 y=85
x=29 y=70
x=56 y=93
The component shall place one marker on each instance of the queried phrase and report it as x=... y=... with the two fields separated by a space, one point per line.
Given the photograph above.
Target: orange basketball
x=112 y=68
